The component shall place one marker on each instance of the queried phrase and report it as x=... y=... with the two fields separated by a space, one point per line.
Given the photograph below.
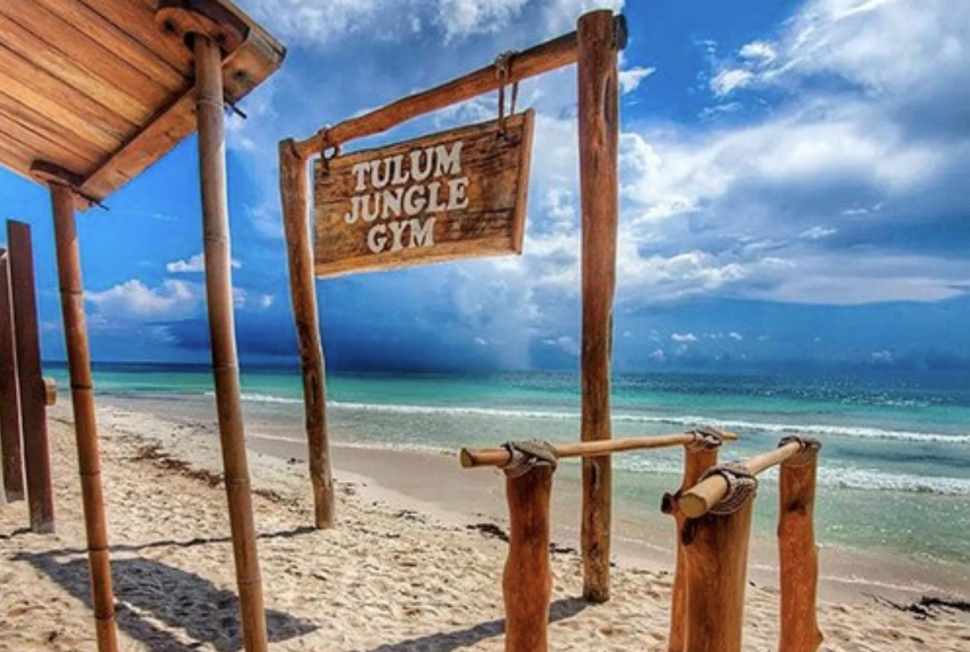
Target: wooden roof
x=98 y=88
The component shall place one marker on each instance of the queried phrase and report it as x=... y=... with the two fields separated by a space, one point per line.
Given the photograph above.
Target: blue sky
x=793 y=189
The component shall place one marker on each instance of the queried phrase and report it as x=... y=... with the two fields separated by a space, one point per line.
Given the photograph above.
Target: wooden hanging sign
x=451 y=195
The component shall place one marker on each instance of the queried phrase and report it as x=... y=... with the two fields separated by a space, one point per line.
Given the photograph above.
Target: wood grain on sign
x=451 y=195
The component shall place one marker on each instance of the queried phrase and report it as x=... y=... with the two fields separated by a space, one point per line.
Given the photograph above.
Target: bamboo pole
x=798 y=553
x=218 y=280
x=696 y=462
x=702 y=497
x=598 y=136
x=293 y=189
x=543 y=58
x=476 y=457
x=527 y=581
x=85 y=421
x=33 y=414
x=716 y=556
x=10 y=432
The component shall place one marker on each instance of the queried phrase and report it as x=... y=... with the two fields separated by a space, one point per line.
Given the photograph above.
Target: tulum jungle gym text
x=174 y=66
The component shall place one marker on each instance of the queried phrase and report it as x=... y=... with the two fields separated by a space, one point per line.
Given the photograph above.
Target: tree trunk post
x=10 y=432
x=698 y=458
x=599 y=41
x=716 y=554
x=293 y=190
x=85 y=422
x=33 y=414
x=527 y=581
x=798 y=553
x=225 y=366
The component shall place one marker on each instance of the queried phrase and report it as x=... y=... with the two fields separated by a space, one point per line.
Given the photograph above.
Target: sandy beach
x=408 y=568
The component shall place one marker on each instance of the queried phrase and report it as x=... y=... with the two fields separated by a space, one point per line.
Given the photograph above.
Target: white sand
x=397 y=574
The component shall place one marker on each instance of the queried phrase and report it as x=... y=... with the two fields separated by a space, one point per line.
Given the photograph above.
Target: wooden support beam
x=698 y=500
x=85 y=420
x=10 y=432
x=543 y=58
x=33 y=415
x=476 y=457
x=716 y=556
x=697 y=460
x=527 y=581
x=798 y=553
x=599 y=43
x=303 y=294
x=225 y=366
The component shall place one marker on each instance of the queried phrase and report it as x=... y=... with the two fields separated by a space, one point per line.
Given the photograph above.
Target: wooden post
x=10 y=433
x=225 y=367
x=716 y=554
x=527 y=581
x=697 y=459
x=85 y=422
x=33 y=414
x=599 y=42
x=293 y=188
x=797 y=553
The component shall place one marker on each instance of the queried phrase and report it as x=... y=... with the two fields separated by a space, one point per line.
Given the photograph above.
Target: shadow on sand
x=150 y=593
x=448 y=641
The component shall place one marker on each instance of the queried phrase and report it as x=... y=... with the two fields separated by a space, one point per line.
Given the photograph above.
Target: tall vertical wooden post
x=599 y=42
x=527 y=581
x=10 y=433
x=798 y=553
x=716 y=554
x=225 y=366
x=696 y=461
x=293 y=189
x=33 y=414
x=85 y=420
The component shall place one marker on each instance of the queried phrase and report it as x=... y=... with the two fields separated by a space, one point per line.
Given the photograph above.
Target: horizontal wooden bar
x=546 y=57
x=698 y=500
x=474 y=457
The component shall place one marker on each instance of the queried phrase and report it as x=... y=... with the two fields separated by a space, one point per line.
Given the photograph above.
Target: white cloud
x=658 y=355
x=817 y=233
x=729 y=80
x=194 y=264
x=460 y=18
x=631 y=78
x=133 y=300
x=759 y=52
x=684 y=338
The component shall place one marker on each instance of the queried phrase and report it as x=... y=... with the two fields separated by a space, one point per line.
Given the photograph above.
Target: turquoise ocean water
x=895 y=469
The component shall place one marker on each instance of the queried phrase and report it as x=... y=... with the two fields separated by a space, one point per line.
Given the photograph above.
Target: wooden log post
x=225 y=366
x=33 y=414
x=85 y=420
x=293 y=190
x=798 y=553
x=599 y=42
x=716 y=555
x=699 y=456
x=527 y=580
x=10 y=432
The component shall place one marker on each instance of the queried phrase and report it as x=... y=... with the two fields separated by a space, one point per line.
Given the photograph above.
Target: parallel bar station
x=92 y=92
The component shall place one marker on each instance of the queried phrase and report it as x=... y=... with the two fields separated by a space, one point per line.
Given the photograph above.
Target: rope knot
x=706 y=438
x=808 y=448
x=741 y=485
x=527 y=455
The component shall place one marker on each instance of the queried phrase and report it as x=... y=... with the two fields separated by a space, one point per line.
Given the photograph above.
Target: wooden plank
x=451 y=195
x=31 y=120
x=10 y=432
x=18 y=136
x=33 y=414
x=116 y=39
x=137 y=20
x=57 y=101
x=74 y=73
x=97 y=56
x=599 y=187
x=172 y=126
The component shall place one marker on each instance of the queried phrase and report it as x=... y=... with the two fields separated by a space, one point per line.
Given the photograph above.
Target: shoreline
x=430 y=481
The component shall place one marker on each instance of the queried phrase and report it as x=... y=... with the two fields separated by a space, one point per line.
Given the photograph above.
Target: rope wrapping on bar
x=808 y=448
x=527 y=455
x=705 y=439
x=741 y=486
